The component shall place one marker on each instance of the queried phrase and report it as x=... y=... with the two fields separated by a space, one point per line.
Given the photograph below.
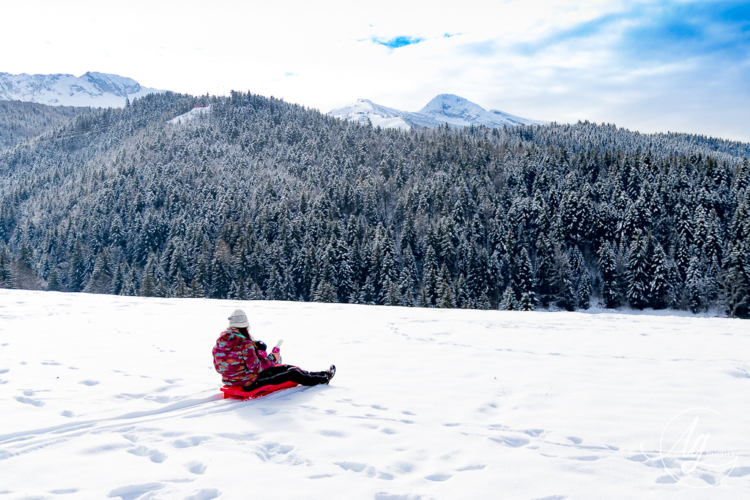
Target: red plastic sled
x=236 y=392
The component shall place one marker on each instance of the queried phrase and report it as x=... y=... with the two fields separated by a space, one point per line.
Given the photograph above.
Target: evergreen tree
x=445 y=296
x=524 y=282
x=275 y=289
x=526 y=303
x=196 y=290
x=367 y=294
x=117 y=280
x=5 y=274
x=325 y=292
x=484 y=302
x=565 y=298
x=609 y=276
x=128 y=284
x=509 y=300
x=738 y=282
x=583 y=291
x=222 y=272
x=659 y=289
x=638 y=269
x=148 y=286
x=77 y=268
x=694 y=286
x=393 y=297
x=546 y=277
x=179 y=290
x=53 y=281
x=463 y=300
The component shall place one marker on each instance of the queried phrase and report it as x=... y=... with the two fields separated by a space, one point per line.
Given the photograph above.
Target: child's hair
x=244 y=332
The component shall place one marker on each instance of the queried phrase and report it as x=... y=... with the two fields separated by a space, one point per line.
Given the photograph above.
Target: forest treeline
x=261 y=199
x=21 y=121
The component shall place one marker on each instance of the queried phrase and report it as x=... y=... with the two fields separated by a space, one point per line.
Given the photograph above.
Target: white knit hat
x=238 y=319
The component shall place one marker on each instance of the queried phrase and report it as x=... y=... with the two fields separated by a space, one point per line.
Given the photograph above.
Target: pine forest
x=262 y=199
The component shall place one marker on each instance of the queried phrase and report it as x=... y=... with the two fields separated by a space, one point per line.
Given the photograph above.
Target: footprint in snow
x=155 y=455
x=740 y=472
x=708 y=478
x=67 y=413
x=89 y=383
x=330 y=433
x=29 y=401
x=204 y=494
x=471 y=467
x=574 y=440
x=589 y=458
x=64 y=491
x=188 y=442
x=438 y=477
x=666 y=480
x=513 y=442
x=534 y=432
x=133 y=491
x=196 y=468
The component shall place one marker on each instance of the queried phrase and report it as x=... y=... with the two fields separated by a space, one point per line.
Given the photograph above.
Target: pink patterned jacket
x=235 y=358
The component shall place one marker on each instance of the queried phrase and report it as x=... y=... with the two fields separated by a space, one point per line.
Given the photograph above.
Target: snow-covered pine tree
x=526 y=303
x=524 y=283
x=694 y=286
x=737 y=281
x=660 y=287
x=565 y=296
x=463 y=300
x=610 y=281
x=325 y=292
x=545 y=271
x=638 y=269
x=445 y=296
x=53 y=281
x=508 y=302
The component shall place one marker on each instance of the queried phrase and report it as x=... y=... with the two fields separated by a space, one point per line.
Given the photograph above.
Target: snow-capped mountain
x=99 y=90
x=364 y=110
x=444 y=108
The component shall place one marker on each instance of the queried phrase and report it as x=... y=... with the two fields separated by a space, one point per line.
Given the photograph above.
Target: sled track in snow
x=35 y=439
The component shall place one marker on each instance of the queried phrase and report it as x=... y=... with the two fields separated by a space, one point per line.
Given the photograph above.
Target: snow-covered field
x=116 y=397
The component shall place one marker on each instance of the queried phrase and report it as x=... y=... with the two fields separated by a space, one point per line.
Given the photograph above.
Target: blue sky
x=649 y=66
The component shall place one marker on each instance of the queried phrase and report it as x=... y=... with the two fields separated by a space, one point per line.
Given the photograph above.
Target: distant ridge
x=99 y=90
x=444 y=108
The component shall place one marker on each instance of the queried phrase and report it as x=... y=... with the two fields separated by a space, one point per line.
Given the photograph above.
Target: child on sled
x=243 y=361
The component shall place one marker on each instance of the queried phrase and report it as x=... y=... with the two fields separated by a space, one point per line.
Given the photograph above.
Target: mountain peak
x=100 y=90
x=443 y=108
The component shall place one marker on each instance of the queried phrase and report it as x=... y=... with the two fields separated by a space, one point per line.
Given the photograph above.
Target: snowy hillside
x=444 y=108
x=192 y=114
x=100 y=90
x=115 y=397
